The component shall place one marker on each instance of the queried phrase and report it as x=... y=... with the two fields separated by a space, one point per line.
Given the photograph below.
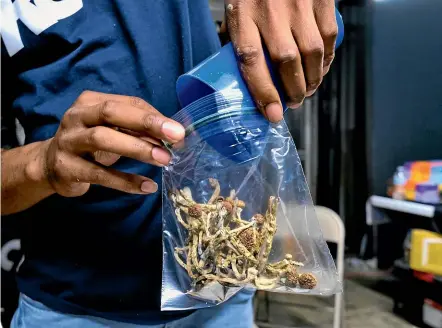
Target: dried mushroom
x=307 y=281
x=258 y=218
x=195 y=211
x=248 y=238
x=223 y=247
x=228 y=206
x=292 y=277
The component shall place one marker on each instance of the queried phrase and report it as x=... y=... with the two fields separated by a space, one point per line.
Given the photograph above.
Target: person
x=93 y=85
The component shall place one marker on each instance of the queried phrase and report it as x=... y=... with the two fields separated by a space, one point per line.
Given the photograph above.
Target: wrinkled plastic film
x=254 y=170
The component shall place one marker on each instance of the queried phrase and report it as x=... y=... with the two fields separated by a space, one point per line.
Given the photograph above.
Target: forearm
x=24 y=181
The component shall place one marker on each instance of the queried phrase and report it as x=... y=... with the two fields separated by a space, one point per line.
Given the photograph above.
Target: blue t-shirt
x=99 y=254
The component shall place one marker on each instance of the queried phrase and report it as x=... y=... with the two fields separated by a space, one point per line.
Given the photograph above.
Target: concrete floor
x=364 y=308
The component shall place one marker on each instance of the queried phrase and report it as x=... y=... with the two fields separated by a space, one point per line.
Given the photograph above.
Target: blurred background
x=371 y=144
x=370 y=141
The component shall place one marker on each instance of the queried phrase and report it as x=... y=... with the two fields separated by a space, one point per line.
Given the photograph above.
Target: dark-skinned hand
x=300 y=36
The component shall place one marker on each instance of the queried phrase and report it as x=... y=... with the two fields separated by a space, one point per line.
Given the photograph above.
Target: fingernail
x=274 y=112
x=311 y=89
x=149 y=187
x=310 y=93
x=173 y=131
x=294 y=105
x=160 y=155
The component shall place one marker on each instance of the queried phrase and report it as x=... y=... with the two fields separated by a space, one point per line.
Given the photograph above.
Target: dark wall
x=342 y=162
x=405 y=85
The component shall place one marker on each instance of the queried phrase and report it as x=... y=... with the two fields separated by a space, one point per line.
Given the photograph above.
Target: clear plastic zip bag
x=237 y=211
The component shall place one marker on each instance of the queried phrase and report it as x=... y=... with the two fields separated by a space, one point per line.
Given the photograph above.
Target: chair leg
x=261 y=303
x=267 y=305
x=337 y=315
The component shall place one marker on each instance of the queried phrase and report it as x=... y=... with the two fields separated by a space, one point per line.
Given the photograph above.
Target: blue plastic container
x=220 y=72
x=214 y=117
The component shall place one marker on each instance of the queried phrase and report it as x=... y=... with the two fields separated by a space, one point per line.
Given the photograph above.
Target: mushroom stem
x=222 y=247
x=217 y=189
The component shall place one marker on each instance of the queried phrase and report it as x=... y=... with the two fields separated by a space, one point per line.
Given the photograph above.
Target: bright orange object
x=410 y=189
x=420 y=171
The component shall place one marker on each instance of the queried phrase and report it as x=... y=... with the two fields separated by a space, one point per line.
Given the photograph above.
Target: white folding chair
x=333 y=231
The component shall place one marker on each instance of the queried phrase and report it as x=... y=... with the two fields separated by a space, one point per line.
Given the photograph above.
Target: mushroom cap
x=259 y=218
x=228 y=206
x=230 y=200
x=248 y=238
x=195 y=211
x=241 y=204
x=307 y=281
x=292 y=277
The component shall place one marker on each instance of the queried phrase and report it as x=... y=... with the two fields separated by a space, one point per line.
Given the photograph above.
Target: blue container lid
x=221 y=72
x=216 y=90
